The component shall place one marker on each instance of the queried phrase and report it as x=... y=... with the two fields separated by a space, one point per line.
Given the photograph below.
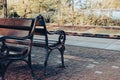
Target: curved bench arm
x=62 y=35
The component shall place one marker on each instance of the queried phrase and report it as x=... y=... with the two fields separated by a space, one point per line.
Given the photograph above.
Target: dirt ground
x=81 y=63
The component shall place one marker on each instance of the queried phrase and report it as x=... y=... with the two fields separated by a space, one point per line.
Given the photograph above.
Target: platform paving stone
x=82 y=63
x=102 y=43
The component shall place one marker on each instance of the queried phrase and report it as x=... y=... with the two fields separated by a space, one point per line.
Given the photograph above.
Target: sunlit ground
x=81 y=63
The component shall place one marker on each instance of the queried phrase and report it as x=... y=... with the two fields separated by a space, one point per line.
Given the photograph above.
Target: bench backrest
x=16 y=27
x=40 y=26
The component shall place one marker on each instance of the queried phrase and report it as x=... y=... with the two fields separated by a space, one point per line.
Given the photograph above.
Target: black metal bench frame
x=49 y=47
x=5 y=57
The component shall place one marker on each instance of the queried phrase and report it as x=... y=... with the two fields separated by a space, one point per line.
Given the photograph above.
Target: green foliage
x=13 y=15
x=60 y=11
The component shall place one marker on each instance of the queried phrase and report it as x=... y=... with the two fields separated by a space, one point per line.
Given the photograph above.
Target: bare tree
x=5 y=7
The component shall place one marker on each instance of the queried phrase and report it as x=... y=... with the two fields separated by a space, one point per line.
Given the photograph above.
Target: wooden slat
x=15 y=27
x=40 y=31
x=15 y=22
x=11 y=32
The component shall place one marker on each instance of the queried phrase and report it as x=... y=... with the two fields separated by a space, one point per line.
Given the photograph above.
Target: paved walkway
x=103 y=43
x=82 y=63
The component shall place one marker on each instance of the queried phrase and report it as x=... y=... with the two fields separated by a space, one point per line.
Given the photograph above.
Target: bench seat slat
x=38 y=43
x=40 y=31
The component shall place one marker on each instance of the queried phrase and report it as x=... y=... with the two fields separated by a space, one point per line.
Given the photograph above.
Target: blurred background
x=70 y=13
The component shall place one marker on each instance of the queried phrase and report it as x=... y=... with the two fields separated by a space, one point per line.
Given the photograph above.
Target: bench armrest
x=61 y=33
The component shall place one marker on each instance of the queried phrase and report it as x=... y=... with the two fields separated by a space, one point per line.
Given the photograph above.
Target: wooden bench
x=16 y=38
x=23 y=28
x=45 y=41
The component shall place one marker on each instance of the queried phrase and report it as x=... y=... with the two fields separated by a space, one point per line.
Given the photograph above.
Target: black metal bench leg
x=46 y=61
x=3 y=70
x=30 y=66
x=3 y=76
x=62 y=49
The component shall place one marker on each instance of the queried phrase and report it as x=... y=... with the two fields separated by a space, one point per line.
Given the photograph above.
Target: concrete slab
x=103 y=43
x=95 y=45
x=117 y=42
x=113 y=47
x=102 y=40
